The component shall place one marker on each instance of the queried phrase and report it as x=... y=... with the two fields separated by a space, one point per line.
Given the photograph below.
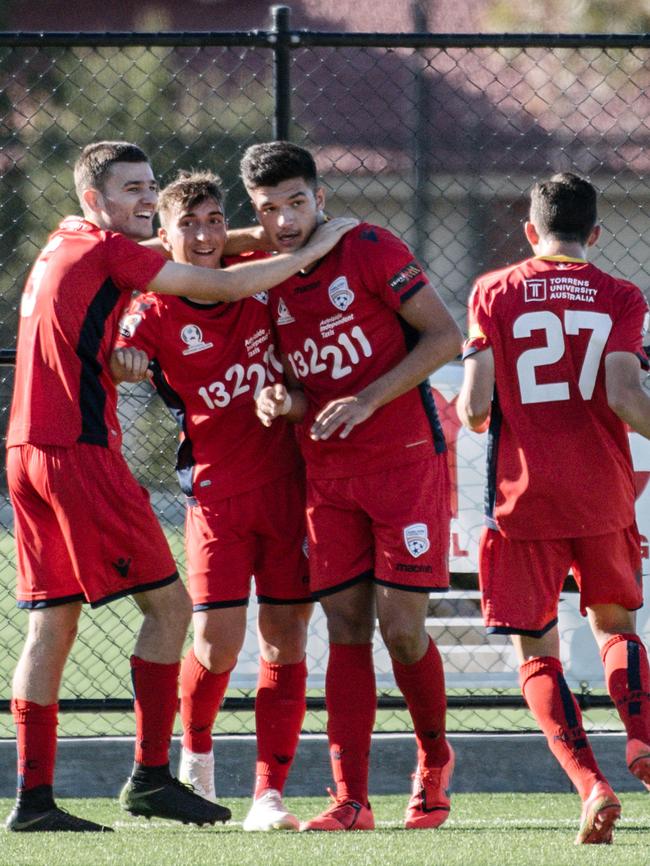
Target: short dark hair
x=96 y=160
x=564 y=207
x=187 y=190
x=270 y=163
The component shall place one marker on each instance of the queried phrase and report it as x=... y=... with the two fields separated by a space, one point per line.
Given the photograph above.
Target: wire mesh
x=437 y=142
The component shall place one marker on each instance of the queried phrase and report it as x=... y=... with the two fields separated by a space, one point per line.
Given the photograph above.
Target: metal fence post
x=281 y=72
x=420 y=141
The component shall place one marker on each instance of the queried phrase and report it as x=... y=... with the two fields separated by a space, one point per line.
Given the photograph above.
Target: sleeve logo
x=405 y=276
x=129 y=324
x=416 y=539
x=341 y=295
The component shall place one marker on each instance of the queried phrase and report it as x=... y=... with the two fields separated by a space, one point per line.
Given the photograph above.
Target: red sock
x=201 y=695
x=351 y=700
x=628 y=682
x=552 y=703
x=35 y=742
x=155 y=691
x=279 y=713
x=423 y=687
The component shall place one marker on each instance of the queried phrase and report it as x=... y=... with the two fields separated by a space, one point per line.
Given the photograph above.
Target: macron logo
x=122 y=566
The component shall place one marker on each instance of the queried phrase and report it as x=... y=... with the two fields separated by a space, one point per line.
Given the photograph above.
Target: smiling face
x=195 y=235
x=126 y=202
x=289 y=211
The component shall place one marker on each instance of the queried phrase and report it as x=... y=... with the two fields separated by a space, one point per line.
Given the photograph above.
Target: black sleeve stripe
x=412 y=291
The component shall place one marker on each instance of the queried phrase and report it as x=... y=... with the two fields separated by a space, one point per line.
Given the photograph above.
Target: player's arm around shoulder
x=626 y=396
x=246 y=279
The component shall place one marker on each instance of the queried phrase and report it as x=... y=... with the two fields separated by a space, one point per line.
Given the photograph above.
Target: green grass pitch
x=483 y=830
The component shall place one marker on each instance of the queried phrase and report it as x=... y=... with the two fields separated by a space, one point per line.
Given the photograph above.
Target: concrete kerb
x=98 y=767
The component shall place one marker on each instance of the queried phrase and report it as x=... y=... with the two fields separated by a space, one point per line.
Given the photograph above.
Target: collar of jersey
x=197 y=306
x=561 y=259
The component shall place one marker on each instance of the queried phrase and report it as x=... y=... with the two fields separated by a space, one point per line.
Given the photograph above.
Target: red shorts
x=84 y=528
x=391 y=526
x=521 y=581
x=259 y=533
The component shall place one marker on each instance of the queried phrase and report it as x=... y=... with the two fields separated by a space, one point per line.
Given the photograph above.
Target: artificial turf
x=483 y=830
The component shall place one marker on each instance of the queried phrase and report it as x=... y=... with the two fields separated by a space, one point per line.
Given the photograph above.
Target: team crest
x=416 y=539
x=341 y=295
x=262 y=297
x=192 y=336
x=284 y=316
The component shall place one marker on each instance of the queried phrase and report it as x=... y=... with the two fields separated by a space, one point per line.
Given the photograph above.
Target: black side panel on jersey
x=92 y=396
x=411 y=337
x=492 y=453
x=184 y=456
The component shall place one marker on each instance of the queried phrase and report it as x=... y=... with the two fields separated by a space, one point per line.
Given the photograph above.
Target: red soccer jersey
x=69 y=312
x=559 y=462
x=339 y=328
x=211 y=360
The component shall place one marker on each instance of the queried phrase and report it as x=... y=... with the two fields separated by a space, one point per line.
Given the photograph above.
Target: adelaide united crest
x=340 y=293
x=416 y=539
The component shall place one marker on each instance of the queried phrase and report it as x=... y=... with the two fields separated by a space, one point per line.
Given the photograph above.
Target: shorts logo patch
x=535 y=290
x=416 y=539
x=192 y=336
x=305 y=547
x=402 y=278
x=341 y=295
x=262 y=297
x=284 y=316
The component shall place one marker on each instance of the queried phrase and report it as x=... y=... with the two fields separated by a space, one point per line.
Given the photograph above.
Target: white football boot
x=268 y=812
x=197 y=769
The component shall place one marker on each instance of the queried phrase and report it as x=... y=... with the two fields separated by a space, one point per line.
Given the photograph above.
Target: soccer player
x=84 y=528
x=360 y=332
x=552 y=364
x=244 y=488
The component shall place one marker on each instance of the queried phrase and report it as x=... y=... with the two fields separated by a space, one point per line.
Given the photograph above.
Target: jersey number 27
x=557 y=330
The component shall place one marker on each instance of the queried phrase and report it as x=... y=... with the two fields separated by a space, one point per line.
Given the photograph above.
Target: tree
x=558 y=16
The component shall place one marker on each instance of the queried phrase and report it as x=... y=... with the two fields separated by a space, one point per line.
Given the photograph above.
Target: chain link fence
x=438 y=138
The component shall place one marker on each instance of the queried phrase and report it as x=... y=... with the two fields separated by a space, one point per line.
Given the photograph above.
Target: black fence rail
x=437 y=137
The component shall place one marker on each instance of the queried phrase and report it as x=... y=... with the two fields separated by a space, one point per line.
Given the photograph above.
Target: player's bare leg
x=627 y=675
x=557 y=712
x=166 y=617
x=37 y=679
x=351 y=698
x=218 y=638
x=50 y=636
x=151 y=790
x=419 y=674
x=279 y=710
